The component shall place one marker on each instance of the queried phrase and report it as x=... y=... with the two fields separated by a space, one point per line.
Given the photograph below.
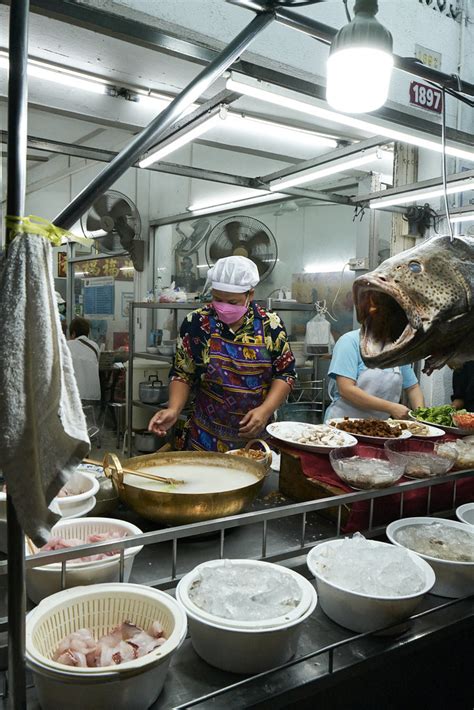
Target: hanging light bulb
x=360 y=62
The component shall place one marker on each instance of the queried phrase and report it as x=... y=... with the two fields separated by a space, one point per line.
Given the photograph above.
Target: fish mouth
x=386 y=328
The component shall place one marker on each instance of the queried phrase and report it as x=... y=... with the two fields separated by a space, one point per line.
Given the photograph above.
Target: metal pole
x=152 y=133
x=16 y=186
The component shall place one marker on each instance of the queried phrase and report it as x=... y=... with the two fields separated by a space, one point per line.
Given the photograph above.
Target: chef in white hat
x=234 y=357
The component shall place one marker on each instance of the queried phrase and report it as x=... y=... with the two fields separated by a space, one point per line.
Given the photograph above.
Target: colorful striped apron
x=237 y=380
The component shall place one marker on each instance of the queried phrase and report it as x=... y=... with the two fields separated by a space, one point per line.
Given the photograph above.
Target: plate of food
x=318 y=438
x=445 y=417
x=369 y=430
x=417 y=429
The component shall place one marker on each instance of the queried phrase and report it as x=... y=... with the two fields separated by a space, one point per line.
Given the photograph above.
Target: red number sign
x=426 y=97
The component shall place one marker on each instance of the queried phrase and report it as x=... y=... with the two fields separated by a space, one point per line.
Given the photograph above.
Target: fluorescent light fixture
x=126 y=268
x=404 y=198
x=273 y=94
x=360 y=63
x=184 y=138
x=61 y=75
x=81 y=273
x=324 y=267
x=467 y=217
x=319 y=172
x=205 y=206
x=274 y=128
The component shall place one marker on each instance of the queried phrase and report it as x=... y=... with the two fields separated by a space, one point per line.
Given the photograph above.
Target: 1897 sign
x=426 y=97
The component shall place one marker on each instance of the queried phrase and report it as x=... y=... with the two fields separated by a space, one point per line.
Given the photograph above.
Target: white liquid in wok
x=197 y=479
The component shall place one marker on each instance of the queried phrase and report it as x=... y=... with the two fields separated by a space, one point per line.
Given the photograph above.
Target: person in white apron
x=359 y=392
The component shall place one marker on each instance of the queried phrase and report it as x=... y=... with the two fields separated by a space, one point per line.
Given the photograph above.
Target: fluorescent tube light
x=61 y=75
x=422 y=194
x=204 y=206
x=282 y=97
x=467 y=217
x=184 y=138
x=275 y=128
x=319 y=172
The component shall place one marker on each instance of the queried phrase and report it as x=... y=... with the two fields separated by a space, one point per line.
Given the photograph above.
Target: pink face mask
x=229 y=312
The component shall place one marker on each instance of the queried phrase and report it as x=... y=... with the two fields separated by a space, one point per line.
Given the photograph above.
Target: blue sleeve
x=408 y=375
x=346 y=358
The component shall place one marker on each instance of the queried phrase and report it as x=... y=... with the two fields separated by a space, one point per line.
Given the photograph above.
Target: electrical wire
x=338 y=291
x=299 y=3
x=348 y=14
x=443 y=164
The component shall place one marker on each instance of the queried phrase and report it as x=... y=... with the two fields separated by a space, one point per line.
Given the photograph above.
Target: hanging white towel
x=43 y=433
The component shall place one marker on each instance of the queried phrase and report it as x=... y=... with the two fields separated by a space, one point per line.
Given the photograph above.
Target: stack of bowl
x=245 y=646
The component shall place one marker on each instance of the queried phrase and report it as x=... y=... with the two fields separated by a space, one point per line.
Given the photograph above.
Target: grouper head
x=419 y=304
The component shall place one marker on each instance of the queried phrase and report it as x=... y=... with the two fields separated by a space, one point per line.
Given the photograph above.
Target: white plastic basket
x=133 y=685
x=73 y=506
x=44 y=581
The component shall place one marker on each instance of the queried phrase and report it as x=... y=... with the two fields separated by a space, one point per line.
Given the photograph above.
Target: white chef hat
x=235 y=274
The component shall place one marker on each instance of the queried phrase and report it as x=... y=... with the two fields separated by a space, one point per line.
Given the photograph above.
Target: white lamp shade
x=358 y=79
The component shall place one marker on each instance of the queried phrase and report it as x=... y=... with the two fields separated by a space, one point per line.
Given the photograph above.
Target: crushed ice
x=359 y=565
x=438 y=540
x=245 y=592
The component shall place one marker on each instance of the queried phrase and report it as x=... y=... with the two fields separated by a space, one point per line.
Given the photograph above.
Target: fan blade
x=261 y=265
x=92 y=224
x=232 y=230
x=121 y=208
x=137 y=253
x=125 y=232
x=216 y=252
x=258 y=239
x=101 y=205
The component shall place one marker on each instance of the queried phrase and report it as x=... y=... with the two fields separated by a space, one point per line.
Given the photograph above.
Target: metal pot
x=166 y=506
x=153 y=391
x=146 y=441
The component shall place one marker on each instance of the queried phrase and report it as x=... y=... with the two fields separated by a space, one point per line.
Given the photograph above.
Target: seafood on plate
x=60 y=543
x=125 y=642
x=419 y=304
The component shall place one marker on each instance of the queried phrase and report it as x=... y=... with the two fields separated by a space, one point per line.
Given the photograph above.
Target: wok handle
x=115 y=472
x=261 y=443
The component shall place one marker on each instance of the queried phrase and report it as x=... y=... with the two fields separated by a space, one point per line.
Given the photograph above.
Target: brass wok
x=172 y=508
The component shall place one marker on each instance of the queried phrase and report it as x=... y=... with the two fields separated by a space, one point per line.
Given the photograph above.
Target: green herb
x=436 y=415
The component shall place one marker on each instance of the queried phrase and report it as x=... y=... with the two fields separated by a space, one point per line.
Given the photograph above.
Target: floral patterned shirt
x=192 y=352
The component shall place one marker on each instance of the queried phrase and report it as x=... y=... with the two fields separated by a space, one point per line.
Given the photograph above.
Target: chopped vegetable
x=436 y=415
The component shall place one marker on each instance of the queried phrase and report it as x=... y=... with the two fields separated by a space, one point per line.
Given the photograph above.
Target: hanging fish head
x=419 y=304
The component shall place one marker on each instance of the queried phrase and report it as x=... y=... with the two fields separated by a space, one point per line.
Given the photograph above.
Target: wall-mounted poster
x=334 y=288
x=127 y=298
x=99 y=296
x=62 y=264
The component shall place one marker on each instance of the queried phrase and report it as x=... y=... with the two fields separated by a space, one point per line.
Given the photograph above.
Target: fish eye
x=415 y=267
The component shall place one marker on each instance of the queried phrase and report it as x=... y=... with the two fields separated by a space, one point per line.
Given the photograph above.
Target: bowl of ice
x=245 y=616
x=448 y=546
x=421 y=459
x=364 y=467
x=465 y=513
x=366 y=585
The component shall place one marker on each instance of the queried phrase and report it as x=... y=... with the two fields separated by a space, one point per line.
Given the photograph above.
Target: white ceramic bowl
x=363 y=612
x=134 y=685
x=465 y=513
x=44 y=581
x=453 y=579
x=73 y=506
x=245 y=647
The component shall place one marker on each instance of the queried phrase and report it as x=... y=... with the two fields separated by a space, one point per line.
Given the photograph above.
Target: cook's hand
x=254 y=422
x=399 y=411
x=162 y=421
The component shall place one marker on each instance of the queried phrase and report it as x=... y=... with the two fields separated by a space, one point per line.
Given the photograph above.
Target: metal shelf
x=165 y=359
x=137 y=403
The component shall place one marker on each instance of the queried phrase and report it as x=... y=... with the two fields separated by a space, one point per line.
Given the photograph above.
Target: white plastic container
x=363 y=612
x=83 y=501
x=453 y=579
x=246 y=647
x=44 y=581
x=465 y=513
x=134 y=685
